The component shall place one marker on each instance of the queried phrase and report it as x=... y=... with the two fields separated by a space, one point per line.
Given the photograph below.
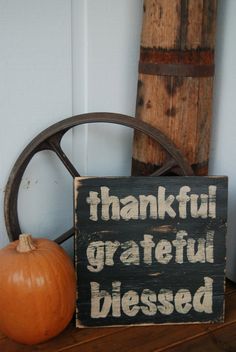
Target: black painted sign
x=150 y=250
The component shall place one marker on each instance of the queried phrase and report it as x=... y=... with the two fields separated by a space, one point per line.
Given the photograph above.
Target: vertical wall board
x=113 y=49
x=35 y=91
x=79 y=40
x=223 y=146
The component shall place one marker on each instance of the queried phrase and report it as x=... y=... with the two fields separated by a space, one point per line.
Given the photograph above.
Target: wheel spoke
x=65 y=236
x=62 y=156
x=50 y=139
x=164 y=168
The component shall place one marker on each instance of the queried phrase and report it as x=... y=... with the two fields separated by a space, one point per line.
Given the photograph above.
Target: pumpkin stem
x=25 y=243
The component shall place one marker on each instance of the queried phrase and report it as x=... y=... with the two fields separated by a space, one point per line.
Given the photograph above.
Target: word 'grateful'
x=181 y=249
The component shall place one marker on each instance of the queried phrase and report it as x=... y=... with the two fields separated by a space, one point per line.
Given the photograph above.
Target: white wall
x=105 y=57
x=35 y=91
x=64 y=57
x=60 y=58
x=223 y=146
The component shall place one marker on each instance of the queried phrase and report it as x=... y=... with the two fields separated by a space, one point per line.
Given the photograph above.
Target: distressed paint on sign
x=150 y=250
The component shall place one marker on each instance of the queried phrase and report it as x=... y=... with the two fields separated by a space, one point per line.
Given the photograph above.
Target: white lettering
x=202 y=300
x=164 y=204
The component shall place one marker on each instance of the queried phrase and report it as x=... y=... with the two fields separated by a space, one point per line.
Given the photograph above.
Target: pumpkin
x=37 y=289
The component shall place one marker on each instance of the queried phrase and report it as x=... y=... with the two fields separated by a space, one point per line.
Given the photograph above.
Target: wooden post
x=175 y=84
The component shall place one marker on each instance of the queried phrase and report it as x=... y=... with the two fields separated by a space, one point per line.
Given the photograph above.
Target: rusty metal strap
x=185 y=63
x=184 y=70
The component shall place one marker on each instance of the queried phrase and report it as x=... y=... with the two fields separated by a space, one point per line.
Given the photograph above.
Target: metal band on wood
x=184 y=70
x=185 y=63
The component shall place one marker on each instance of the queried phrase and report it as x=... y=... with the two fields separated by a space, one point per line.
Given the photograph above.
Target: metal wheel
x=50 y=139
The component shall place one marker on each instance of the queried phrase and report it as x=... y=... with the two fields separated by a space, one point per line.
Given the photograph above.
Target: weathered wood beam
x=175 y=83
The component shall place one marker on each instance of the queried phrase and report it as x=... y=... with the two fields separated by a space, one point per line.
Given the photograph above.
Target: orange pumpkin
x=37 y=289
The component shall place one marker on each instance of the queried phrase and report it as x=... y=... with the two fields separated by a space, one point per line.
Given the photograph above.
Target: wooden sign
x=150 y=250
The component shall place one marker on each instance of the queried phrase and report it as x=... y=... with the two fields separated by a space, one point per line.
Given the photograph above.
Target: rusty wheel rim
x=50 y=139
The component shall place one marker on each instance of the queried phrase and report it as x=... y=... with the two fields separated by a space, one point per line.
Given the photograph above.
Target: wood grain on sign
x=150 y=250
x=175 y=81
